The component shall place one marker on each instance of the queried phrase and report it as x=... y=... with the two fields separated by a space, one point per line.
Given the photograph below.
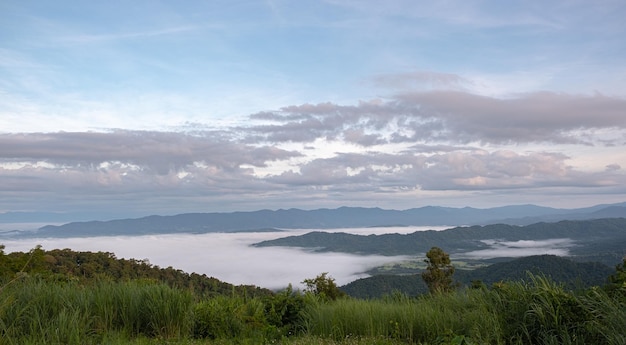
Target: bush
x=229 y=317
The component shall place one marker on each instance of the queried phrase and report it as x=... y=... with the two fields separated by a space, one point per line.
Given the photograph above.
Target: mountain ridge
x=324 y=218
x=600 y=240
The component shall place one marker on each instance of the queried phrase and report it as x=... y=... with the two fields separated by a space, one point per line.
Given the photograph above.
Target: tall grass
x=37 y=311
x=229 y=317
x=407 y=319
x=537 y=311
x=540 y=311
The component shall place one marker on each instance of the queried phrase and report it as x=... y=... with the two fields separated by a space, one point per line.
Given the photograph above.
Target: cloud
x=534 y=117
x=420 y=80
x=97 y=38
x=514 y=249
x=160 y=152
x=128 y=169
x=613 y=167
x=228 y=257
x=456 y=170
x=415 y=143
x=452 y=117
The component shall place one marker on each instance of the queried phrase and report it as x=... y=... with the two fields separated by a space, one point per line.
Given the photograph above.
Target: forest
x=598 y=240
x=68 y=297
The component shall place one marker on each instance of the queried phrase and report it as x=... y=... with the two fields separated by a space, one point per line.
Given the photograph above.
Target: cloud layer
x=210 y=106
x=517 y=249
x=228 y=257
x=420 y=142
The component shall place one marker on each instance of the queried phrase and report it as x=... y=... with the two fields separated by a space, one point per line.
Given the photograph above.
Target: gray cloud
x=474 y=170
x=161 y=152
x=536 y=117
x=452 y=117
x=376 y=153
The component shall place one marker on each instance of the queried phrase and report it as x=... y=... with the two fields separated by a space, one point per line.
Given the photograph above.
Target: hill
x=570 y=273
x=603 y=239
x=69 y=265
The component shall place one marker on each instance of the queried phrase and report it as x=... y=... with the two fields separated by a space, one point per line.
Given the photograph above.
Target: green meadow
x=40 y=307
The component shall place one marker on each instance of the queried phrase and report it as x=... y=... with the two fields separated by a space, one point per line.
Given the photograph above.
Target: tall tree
x=324 y=286
x=438 y=273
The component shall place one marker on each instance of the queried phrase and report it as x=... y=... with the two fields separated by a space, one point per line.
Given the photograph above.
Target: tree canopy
x=323 y=286
x=438 y=274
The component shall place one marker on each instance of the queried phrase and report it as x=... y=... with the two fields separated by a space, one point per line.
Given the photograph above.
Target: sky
x=161 y=107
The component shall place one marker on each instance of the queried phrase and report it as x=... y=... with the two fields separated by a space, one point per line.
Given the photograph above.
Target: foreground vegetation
x=38 y=307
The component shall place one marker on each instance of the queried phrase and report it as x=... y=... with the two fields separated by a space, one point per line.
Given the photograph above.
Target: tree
x=323 y=286
x=438 y=273
x=617 y=282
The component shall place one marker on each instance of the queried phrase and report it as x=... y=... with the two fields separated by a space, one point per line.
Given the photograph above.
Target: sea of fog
x=230 y=257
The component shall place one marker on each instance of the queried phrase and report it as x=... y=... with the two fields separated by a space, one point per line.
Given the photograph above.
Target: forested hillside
x=601 y=240
x=561 y=270
x=67 y=297
x=66 y=264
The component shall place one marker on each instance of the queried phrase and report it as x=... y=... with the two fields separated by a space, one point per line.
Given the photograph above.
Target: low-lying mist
x=515 y=249
x=228 y=256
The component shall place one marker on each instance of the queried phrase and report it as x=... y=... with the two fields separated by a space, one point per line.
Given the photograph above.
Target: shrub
x=229 y=317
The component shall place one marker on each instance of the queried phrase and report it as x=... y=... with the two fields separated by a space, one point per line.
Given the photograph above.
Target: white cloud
x=228 y=257
x=420 y=142
x=514 y=249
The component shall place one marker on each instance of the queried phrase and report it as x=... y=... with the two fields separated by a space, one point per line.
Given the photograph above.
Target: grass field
x=42 y=311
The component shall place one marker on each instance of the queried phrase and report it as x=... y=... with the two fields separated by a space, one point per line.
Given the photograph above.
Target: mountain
x=51 y=217
x=561 y=270
x=343 y=217
x=599 y=239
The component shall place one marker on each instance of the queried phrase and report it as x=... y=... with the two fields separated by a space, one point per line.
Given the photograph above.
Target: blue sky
x=170 y=107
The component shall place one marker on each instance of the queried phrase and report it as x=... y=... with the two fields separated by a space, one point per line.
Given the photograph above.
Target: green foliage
x=37 y=306
x=228 y=317
x=543 y=312
x=574 y=275
x=617 y=281
x=35 y=309
x=383 y=285
x=324 y=286
x=283 y=311
x=403 y=318
x=601 y=240
x=65 y=264
x=563 y=270
x=535 y=312
x=438 y=273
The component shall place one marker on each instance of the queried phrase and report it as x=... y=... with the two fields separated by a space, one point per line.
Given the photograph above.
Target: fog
x=229 y=256
x=513 y=249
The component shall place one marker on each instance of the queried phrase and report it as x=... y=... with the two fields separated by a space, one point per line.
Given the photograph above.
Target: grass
x=407 y=319
x=69 y=313
x=538 y=311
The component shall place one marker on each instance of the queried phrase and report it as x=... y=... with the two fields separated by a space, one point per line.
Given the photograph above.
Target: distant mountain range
x=343 y=217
